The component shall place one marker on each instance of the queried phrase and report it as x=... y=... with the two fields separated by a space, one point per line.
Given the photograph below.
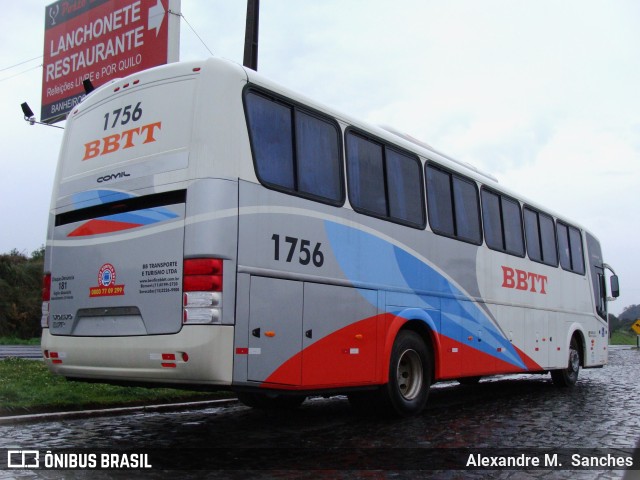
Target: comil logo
x=23 y=459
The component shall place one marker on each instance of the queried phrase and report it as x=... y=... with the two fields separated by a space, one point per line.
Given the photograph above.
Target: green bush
x=20 y=293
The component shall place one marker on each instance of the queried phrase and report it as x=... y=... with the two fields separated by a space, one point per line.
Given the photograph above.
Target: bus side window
x=404 y=185
x=366 y=175
x=453 y=205
x=384 y=182
x=319 y=163
x=295 y=151
x=571 y=251
x=271 y=136
x=502 y=223
x=541 y=237
x=512 y=223
x=577 y=256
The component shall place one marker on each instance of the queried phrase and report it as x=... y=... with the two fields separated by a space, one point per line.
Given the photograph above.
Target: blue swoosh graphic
x=368 y=259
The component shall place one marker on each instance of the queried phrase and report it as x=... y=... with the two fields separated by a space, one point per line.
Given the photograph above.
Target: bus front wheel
x=567 y=377
x=409 y=374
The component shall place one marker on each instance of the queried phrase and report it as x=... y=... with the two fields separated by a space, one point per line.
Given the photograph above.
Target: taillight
x=46 y=298
x=46 y=287
x=202 y=290
x=202 y=275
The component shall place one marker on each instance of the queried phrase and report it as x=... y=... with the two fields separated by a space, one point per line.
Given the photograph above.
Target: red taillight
x=203 y=266
x=202 y=283
x=202 y=275
x=46 y=287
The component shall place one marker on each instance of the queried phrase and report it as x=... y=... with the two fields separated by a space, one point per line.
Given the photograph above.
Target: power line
x=192 y=29
x=21 y=63
x=20 y=73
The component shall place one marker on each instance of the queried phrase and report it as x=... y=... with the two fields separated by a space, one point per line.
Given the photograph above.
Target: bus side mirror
x=615 y=286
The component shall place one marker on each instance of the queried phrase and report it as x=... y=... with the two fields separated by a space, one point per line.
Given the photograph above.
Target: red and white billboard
x=101 y=40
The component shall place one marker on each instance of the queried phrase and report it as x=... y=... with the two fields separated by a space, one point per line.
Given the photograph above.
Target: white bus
x=210 y=228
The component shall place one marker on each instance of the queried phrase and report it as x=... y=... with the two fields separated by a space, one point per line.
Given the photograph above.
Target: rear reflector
x=46 y=297
x=44 y=319
x=202 y=287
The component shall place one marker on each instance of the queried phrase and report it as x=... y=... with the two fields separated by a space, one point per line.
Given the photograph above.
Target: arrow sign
x=636 y=326
x=156 y=15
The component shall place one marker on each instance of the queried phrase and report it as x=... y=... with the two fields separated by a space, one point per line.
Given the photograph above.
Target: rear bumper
x=146 y=359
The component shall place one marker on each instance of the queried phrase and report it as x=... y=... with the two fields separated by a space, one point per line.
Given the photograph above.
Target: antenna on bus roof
x=251 y=35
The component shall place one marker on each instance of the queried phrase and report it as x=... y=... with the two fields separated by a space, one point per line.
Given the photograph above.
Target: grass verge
x=620 y=337
x=19 y=341
x=26 y=386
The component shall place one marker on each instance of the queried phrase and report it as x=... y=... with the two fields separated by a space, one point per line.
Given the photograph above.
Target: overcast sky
x=543 y=94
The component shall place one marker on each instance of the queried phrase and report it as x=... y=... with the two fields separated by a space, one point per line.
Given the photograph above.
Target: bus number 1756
x=305 y=256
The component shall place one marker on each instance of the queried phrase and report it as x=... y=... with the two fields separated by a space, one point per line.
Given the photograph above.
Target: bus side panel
x=302 y=332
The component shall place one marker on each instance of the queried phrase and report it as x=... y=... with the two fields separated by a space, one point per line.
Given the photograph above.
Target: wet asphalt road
x=517 y=413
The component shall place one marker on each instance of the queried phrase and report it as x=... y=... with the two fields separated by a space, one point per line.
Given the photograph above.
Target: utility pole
x=251 y=35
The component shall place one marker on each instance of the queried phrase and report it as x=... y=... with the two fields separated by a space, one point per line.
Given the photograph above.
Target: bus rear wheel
x=567 y=377
x=409 y=374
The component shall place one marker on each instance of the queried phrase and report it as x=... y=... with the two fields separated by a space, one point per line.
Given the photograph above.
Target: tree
x=20 y=293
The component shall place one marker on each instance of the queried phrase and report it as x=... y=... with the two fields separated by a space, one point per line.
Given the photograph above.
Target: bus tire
x=270 y=401
x=567 y=377
x=409 y=374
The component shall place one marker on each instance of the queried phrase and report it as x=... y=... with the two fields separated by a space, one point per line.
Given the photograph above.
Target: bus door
x=275 y=331
x=339 y=335
x=537 y=335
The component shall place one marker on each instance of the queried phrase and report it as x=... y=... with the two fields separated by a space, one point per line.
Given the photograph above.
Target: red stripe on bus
x=96 y=227
x=323 y=364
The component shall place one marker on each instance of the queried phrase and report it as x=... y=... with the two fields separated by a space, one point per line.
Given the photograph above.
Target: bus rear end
x=138 y=241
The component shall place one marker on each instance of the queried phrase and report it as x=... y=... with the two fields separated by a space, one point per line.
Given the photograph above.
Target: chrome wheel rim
x=409 y=374
x=574 y=361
